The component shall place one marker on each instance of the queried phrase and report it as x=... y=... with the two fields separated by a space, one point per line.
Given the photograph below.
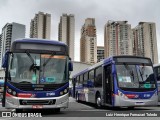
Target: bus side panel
x=92 y=94
x=115 y=86
x=158 y=84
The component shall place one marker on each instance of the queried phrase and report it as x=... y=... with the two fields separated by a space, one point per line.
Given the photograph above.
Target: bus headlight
x=64 y=91
x=9 y=90
x=12 y=92
x=61 y=93
x=122 y=95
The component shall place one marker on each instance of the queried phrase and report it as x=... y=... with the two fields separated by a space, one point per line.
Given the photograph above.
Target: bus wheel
x=77 y=97
x=130 y=108
x=57 y=110
x=98 y=101
x=19 y=110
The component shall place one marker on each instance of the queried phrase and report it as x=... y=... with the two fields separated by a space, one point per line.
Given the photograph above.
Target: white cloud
x=134 y=11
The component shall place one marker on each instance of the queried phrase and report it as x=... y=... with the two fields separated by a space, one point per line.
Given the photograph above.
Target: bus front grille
x=37 y=87
x=37 y=102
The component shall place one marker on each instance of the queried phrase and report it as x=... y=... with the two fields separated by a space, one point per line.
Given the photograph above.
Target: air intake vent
x=37 y=102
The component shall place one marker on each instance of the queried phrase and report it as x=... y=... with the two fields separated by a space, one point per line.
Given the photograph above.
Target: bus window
x=13 y=65
x=91 y=75
x=77 y=80
x=81 y=79
x=157 y=70
x=85 y=78
x=98 y=77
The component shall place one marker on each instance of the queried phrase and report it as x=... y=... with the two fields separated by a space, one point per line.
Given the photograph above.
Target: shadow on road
x=116 y=108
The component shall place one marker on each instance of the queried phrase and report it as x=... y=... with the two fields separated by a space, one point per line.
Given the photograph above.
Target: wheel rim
x=98 y=101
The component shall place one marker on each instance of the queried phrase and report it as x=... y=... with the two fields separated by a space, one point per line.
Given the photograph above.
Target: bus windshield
x=37 y=68
x=135 y=76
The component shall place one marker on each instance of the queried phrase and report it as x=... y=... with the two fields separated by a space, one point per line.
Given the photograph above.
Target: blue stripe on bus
x=41 y=94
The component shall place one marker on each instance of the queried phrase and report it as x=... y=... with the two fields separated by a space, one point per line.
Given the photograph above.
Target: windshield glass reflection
x=135 y=76
x=38 y=68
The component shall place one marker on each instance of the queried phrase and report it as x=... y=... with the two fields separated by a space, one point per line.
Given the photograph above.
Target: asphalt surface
x=87 y=110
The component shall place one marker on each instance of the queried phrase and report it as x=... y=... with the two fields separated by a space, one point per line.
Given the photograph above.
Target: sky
x=133 y=11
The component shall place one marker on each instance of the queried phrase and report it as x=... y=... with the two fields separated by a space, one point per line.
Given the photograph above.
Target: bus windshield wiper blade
x=29 y=55
x=33 y=66
x=141 y=74
x=130 y=71
x=44 y=64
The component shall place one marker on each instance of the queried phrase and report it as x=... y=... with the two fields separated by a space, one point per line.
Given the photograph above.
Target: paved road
x=88 y=110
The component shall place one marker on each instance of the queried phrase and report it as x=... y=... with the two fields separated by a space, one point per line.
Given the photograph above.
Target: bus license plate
x=37 y=106
x=139 y=103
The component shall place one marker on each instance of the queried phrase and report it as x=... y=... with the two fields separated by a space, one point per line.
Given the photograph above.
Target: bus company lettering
x=147 y=95
x=38 y=88
x=50 y=94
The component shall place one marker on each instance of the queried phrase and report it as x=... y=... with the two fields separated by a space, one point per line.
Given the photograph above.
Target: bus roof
x=107 y=60
x=37 y=40
x=39 y=46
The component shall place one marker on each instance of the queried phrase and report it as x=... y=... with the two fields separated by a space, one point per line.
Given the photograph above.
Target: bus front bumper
x=14 y=102
x=123 y=102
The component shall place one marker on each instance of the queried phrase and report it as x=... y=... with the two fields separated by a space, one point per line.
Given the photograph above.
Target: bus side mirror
x=70 y=66
x=5 y=60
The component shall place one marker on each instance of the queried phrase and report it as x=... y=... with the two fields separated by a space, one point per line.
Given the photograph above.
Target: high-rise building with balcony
x=40 y=26
x=145 y=41
x=66 y=32
x=100 y=53
x=117 y=38
x=88 y=42
x=10 y=32
x=0 y=48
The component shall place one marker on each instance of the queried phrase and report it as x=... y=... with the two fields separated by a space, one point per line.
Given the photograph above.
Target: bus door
x=73 y=89
x=107 y=84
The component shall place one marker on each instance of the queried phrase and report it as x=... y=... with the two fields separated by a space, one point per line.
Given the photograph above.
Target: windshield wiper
x=140 y=73
x=29 y=55
x=130 y=71
x=44 y=64
x=34 y=66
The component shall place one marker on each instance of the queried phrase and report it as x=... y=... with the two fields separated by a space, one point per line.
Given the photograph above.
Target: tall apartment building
x=145 y=41
x=100 y=53
x=88 y=42
x=66 y=32
x=0 y=48
x=40 y=26
x=117 y=38
x=10 y=32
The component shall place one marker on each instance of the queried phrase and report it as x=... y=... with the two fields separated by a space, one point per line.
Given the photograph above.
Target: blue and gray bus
x=36 y=75
x=1 y=88
x=157 y=73
x=118 y=81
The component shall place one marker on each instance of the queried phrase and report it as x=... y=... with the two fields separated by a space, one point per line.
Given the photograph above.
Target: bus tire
x=131 y=108
x=57 y=110
x=98 y=101
x=77 y=97
x=19 y=110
